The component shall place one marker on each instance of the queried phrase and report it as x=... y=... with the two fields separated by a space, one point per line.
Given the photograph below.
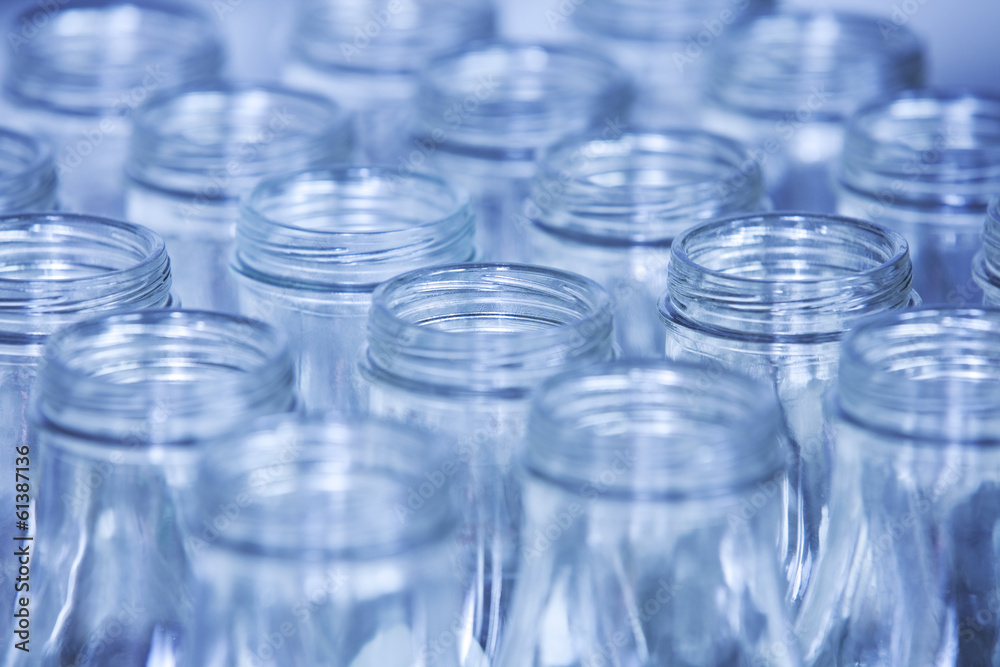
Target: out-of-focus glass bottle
x=911 y=575
x=56 y=269
x=484 y=115
x=367 y=54
x=637 y=545
x=456 y=350
x=76 y=74
x=194 y=152
x=772 y=296
x=305 y=550
x=27 y=174
x=123 y=406
x=311 y=247
x=610 y=209
x=786 y=83
x=927 y=164
x=986 y=264
x=665 y=46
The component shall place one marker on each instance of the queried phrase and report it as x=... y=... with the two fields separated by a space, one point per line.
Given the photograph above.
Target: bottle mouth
x=95 y=58
x=386 y=36
x=642 y=188
x=656 y=430
x=61 y=267
x=350 y=228
x=216 y=142
x=27 y=173
x=798 y=275
x=518 y=98
x=161 y=377
x=484 y=329
x=926 y=149
x=658 y=21
x=928 y=374
x=358 y=490
x=819 y=66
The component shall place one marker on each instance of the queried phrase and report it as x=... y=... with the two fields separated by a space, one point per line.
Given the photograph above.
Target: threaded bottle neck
x=27 y=173
x=661 y=20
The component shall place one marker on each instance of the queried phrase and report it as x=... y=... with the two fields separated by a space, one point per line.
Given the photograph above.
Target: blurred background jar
x=772 y=296
x=56 y=269
x=637 y=547
x=927 y=164
x=194 y=152
x=456 y=350
x=28 y=179
x=322 y=561
x=367 y=54
x=485 y=114
x=123 y=406
x=312 y=246
x=785 y=84
x=77 y=73
x=611 y=208
x=910 y=577
x=986 y=264
x=665 y=46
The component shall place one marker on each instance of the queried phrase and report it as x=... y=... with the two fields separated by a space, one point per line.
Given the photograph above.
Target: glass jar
x=910 y=577
x=986 y=264
x=123 y=406
x=306 y=553
x=484 y=115
x=76 y=74
x=194 y=152
x=610 y=209
x=664 y=45
x=27 y=174
x=772 y=296
x=367 y=54
x=311 y=247
x=786 y=83
x=456 y=350
x=638 y=547
x=927 y=165
x=56 y=269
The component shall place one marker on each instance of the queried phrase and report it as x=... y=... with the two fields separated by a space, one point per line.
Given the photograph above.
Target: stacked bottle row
x=416 y=408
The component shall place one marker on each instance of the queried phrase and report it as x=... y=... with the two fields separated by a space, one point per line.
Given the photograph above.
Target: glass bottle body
x=927 y=165
x=637 y=545
x=771 y=296
x=484 y=115
x=79 y=80
x=123 y=406
x=194 y=152
x=785 y=83
x=911 y=570
x=610 y=209
x=312 y=247
x=986 y=264
x=455 y=350
x=27 y=174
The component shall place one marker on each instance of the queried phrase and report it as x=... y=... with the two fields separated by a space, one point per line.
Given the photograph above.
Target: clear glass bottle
x=56 y=269
x=27 y=174
x=456 y=350
x=484 y=115
x=367 y=54
x=194 y=152
x=786 y=83
x=123 y=406
x=927 y=164
x=911 y=575
x=306 y=552
x=77 y=73
x=665 y=46
x=652 y=501
x=986 y=264
x=312 y=246
x=610 y=209
x=772 y=296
